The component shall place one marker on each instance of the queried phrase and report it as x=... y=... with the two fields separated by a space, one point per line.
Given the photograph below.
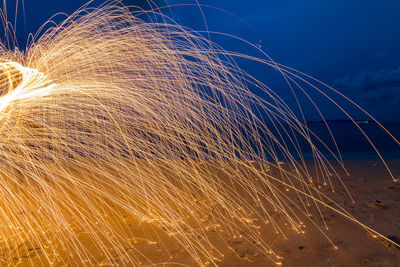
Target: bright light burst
x=106 y=117
x=19 y=82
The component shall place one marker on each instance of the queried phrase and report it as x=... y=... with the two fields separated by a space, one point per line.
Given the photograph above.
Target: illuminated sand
x=378 y=204
x=132 y=143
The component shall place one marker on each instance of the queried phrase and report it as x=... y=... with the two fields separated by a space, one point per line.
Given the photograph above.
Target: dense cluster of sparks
x=106 y=116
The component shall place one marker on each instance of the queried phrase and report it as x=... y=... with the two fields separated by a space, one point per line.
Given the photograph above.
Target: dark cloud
x=379 y=89
x=369 y=80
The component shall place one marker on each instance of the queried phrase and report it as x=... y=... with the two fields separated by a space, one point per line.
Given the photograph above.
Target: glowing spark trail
x=19 y=82
x=106 y=119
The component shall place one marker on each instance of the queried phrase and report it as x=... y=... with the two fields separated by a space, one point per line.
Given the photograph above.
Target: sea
x=351 y=142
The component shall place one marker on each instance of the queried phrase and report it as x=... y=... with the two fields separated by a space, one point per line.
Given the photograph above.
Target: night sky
x=352 y=45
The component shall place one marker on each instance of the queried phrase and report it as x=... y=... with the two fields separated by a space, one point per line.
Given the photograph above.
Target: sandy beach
x=377 y=205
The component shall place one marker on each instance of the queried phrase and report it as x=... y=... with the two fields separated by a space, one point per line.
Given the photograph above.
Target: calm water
x=352 y=143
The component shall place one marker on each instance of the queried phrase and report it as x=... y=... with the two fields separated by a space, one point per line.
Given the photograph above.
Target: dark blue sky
x=353 y=45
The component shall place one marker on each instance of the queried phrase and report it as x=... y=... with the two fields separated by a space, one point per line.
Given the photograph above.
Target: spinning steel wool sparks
x=107 y=120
